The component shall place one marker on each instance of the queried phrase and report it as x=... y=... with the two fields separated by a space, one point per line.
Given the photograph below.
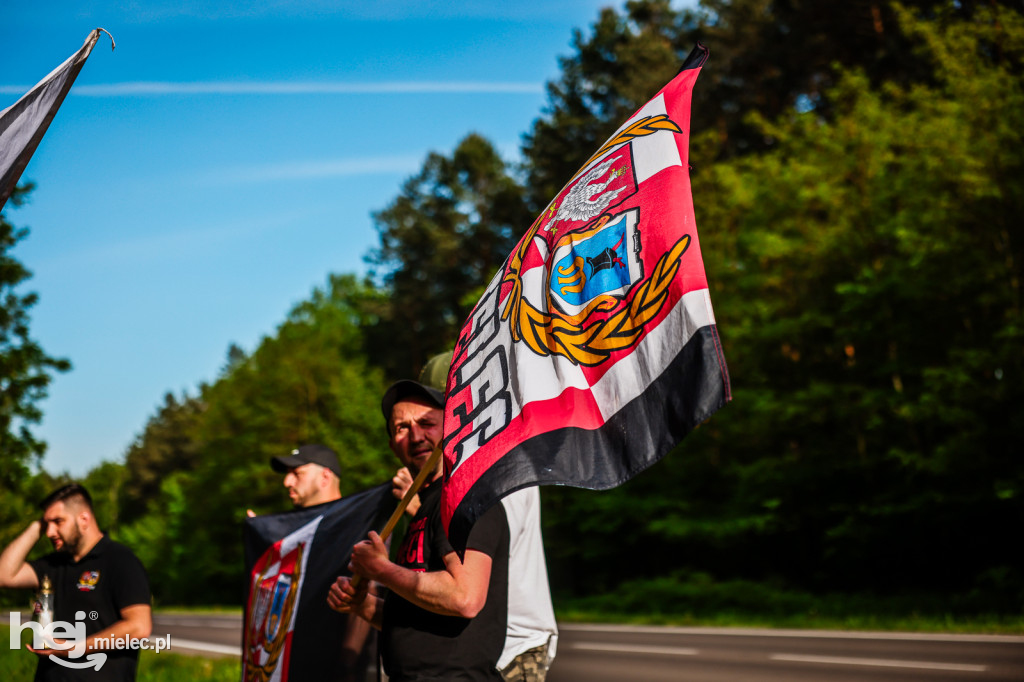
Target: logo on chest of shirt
x=88 y=580
x=411 y=553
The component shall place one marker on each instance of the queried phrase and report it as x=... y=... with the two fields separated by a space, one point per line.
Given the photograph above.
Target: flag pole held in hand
x=417 y=483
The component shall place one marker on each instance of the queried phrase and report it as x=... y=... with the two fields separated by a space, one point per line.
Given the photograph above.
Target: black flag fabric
x=23 y=124
x=594 y=350
x=291 y=560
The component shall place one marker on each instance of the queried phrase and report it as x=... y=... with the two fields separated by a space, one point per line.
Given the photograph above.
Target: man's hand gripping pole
x=417 y=483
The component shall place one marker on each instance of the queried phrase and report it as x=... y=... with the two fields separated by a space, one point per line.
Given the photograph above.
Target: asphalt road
x=596 y=653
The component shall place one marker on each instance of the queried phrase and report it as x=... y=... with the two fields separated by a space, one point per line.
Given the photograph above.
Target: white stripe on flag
x=631 y=375
x=654 y=153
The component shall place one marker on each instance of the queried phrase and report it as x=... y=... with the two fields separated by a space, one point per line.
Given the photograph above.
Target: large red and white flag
x=594 y=350
x=23 y=124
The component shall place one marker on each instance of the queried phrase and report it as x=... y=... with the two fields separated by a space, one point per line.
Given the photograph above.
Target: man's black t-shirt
x=419 y=645
x=106 y=580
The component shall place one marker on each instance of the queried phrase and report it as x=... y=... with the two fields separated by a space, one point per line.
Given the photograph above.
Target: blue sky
x=224 y=159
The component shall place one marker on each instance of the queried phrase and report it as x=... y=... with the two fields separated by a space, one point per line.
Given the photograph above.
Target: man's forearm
x=12 y=559
x=458 y=590
x=434 y=591
x=372 y=611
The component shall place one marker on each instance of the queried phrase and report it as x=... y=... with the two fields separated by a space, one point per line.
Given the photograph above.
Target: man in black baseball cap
x=445 y=615
x=312 y=474
x=407 y=389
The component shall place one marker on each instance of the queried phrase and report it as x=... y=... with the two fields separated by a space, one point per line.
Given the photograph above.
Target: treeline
x=858 y=180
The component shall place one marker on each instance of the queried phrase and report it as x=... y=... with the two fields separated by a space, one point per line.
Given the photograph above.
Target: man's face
x=61 y=527
x=303 y=484
x=416 y=428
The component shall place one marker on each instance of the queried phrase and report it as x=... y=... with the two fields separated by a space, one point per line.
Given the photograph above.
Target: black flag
x=291 y=560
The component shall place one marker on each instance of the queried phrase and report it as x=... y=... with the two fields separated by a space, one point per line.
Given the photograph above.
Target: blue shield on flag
x=604 y=261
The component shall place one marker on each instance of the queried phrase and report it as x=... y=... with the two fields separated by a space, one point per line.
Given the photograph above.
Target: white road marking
x=879 y=662
x=811 y=634
x=178 y=643
x=634 y=649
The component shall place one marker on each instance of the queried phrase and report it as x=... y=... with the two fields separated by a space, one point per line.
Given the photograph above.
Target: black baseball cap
x=404 y=389
x=307 y=454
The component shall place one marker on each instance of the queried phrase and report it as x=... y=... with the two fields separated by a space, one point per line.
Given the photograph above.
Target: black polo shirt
x=106 y=580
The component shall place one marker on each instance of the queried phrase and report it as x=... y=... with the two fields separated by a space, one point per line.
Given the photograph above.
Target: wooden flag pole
x=417 y=483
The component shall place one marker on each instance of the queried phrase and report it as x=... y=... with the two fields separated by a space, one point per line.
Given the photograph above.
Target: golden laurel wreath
x=581 y=343
x=552 y=333
x=647 y=125
x=254 y=672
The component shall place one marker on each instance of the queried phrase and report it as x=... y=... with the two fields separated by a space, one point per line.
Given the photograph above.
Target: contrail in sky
x=332 y=168
x=144 y=88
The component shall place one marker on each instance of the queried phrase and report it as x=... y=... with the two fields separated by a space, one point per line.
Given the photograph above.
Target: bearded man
x=95 y=581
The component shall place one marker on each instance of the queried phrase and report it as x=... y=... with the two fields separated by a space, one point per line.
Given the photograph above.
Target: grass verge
x=693 y=599
x=19 y=664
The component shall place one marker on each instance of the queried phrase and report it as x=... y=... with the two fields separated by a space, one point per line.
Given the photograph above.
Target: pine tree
x=25 y=369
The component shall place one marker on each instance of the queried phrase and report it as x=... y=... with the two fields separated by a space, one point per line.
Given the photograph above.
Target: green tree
x=105 y=483
x=203 y=460
x=858 y=201
x=441 y=241
x=871 y=269
x=767 y=56
x=25 y=369
x=866 y=276
x=624 y=60
x=166 y=445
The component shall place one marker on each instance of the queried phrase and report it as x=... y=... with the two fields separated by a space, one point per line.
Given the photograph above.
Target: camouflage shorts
x=529 y=666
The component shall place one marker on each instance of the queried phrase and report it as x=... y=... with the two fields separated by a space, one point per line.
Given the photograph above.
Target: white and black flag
x=291 y=560
x=23 y=124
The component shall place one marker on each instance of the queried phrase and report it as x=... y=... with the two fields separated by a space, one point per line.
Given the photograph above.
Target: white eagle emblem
x=588 y=199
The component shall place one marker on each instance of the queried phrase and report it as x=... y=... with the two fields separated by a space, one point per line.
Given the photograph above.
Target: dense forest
x=857 y=167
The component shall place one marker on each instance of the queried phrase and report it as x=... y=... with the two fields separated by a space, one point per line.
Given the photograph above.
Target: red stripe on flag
x=573 y=407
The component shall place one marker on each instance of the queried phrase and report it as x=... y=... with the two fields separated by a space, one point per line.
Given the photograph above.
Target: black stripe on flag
x=692 y=387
